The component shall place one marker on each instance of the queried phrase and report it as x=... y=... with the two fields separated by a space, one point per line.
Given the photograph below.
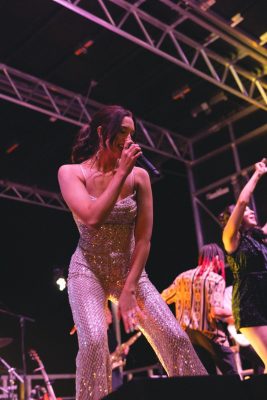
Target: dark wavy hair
x=255 y=231
x=208 y=253
x=87 y=141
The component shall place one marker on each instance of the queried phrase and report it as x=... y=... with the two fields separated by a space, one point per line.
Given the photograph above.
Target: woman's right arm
x=94 y=212
x=231 y=234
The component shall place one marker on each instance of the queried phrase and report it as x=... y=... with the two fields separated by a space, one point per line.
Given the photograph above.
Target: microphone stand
x=22 y=319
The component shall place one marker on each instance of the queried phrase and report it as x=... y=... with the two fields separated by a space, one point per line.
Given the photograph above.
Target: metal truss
x=162 y=141
x=226 y=121
x=195 y=57
x=31 y=195
x=47 y=98
x=232 y=180
x=261 y=130
x=61 y=104
x=165 y=40
x=197 y=202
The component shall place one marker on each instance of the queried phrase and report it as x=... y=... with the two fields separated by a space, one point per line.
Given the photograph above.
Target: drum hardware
x=13 y=376
x=22 y=319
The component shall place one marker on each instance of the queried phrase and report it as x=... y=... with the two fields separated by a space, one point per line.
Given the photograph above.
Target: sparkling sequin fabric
x=97 y=272
x=249 y=267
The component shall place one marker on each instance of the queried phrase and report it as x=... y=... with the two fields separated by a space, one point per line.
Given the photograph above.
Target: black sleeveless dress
x=249 y=267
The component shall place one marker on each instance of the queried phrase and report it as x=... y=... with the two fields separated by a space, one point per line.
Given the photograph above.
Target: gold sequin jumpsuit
x=97 y=272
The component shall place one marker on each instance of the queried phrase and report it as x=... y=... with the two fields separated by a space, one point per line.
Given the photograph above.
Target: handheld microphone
x=143 y=162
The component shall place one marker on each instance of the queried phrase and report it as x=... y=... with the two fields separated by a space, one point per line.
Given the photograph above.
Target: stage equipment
x=10 y=391
x=22 y=319
x=51 y=394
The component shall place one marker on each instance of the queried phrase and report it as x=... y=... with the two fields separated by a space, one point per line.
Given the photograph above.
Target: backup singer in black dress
x=246 y=245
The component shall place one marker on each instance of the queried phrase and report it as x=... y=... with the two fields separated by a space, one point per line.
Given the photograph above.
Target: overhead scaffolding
x=61 y=104
x=197 y=57
x=194 y=56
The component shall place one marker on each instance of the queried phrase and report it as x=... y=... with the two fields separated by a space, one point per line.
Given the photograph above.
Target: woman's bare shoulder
x=66 y=170
x=142 y=179
x=141 y=173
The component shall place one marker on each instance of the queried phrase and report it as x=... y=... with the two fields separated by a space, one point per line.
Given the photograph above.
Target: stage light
x=217 y=98
x=59 y=278
x=206 y=106
x=181 y=92
x=203 y=107
x=83 y=48
x=61 y=282
x=236 y=19
x=212 y=37
x=12 y=147
x=205 y=4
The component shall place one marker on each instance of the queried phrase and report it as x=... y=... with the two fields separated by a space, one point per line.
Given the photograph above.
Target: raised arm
x=231 y=235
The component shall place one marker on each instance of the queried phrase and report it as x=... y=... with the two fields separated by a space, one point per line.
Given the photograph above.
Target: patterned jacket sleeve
x=169 y=294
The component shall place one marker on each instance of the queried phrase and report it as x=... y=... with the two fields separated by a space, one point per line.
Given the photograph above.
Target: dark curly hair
x=87 y=141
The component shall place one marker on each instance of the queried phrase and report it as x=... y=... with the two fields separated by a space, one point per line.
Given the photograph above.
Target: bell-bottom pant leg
x=169 y=341
x=93 y=370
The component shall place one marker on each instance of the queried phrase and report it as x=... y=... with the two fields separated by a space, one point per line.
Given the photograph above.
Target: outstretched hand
x=261 y=167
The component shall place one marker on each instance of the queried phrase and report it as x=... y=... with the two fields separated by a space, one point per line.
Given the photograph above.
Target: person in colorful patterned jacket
x=198 y=293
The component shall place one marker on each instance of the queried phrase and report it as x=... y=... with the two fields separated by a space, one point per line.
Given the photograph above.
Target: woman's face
x=249 y=219
x=124 y=135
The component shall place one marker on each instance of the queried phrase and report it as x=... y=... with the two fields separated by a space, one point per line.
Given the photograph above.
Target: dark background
x=40 y=38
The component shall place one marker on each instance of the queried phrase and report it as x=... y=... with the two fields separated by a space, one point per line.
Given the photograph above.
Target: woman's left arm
x=143 y=231
x=231 y=234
